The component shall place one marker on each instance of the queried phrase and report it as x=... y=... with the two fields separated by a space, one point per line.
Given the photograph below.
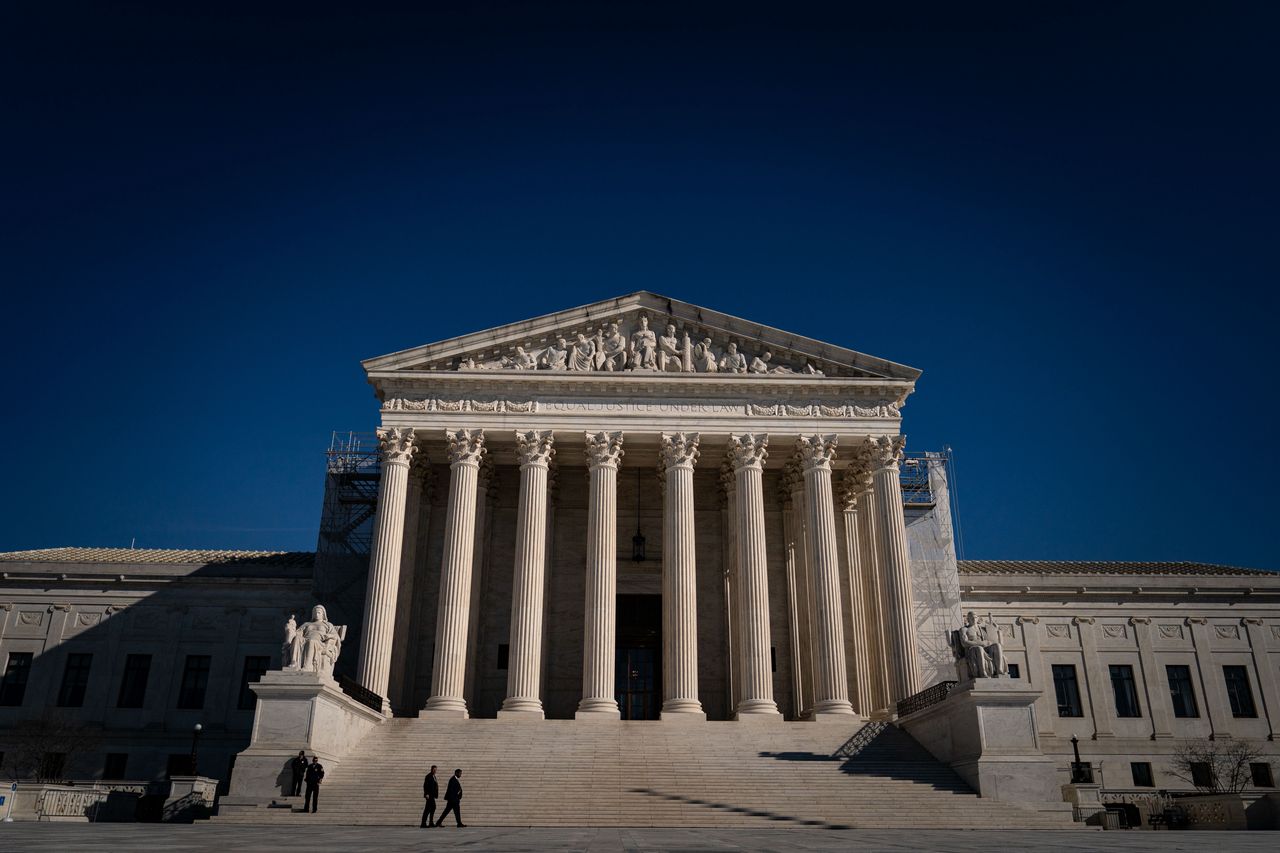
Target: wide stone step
x=575 y=773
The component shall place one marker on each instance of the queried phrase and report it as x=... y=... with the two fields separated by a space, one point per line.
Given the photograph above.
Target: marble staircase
x=580 y=773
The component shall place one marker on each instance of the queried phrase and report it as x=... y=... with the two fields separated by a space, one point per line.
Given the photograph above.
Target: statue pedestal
x=297 y=710
x=986 y=730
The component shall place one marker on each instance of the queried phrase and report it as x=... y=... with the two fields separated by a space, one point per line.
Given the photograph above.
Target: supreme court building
x=645 y=509
x=638 y=510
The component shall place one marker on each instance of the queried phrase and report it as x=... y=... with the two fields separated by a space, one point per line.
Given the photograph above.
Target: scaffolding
x=350 y=494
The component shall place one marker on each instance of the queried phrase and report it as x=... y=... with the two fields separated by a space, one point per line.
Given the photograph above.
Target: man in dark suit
x=315 y=774
x=430 y=790
x=298 y=767
x=453 y=799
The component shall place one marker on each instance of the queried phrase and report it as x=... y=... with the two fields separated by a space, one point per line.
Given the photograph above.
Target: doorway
x=638 y=661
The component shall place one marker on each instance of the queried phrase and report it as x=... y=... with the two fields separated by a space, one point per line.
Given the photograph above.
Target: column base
x=683 y=716
x=769 y=717
x=834 y=717
x=832 y=709
x=758 y=708
x=445 y=707
x=601 y=714
x=504 y=714
x=443 y=714
x=598 y=709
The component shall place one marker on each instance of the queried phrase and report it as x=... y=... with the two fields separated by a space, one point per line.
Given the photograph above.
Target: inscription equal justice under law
x=881 y=409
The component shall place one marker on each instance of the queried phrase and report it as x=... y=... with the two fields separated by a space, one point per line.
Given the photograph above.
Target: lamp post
x=195 y=743
x=1077 y=766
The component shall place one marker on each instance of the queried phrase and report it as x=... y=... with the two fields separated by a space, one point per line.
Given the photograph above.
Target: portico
x=757 y=468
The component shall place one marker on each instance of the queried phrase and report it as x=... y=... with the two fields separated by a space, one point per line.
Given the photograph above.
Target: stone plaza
x=679 y=567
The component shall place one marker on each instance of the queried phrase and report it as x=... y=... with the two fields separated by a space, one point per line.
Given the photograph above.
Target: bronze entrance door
x=638 y=661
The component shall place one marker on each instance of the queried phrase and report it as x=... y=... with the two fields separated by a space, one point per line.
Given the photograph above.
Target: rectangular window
x=133 y=684
x=1201 y=774
x=254 y=667
x=1015 y=671
x=195 y=680
x=773 y=658
x=1141 y=774
x=1181 y=693
x=1239 y=691
x=14 y=686
x=75 y=678
x=504 y=655
x=1067 y=689
x=1261 y=774
x=1125 y=690
x=116 y=766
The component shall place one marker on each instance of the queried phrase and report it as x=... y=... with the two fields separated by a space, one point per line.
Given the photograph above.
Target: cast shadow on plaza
x=729 y=809
x=881 y=750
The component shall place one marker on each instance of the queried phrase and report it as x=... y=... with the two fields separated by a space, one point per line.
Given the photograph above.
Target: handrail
x=929 y=696
x=360 y=693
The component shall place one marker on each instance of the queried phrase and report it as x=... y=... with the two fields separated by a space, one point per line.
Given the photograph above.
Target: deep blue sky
x=1065 y=214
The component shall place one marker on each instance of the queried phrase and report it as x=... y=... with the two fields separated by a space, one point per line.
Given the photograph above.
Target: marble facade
x=720 y=428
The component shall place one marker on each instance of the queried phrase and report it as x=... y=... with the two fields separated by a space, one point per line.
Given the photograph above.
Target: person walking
x=315 y=774
x=298 y=767
x=453 y=799
x=430 y=790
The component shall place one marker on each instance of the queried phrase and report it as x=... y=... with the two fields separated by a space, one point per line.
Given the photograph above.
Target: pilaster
x=1154 y=680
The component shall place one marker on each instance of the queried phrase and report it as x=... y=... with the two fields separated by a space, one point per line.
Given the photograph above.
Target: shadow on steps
x=724 y=807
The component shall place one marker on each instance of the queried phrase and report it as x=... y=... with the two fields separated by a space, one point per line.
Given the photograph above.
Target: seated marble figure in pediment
x=632 y=345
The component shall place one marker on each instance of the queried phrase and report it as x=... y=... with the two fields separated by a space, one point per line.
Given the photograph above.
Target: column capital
x=885 y=451
x=1139 y=620
x=748 y=450
x=792 y=476
x=726 y=482
x=604 y=449
x=419 y=468
x=1028 y=620
x=853 y=484
x=396 y=445
x=466 y=446
x=535 y=447
x=816 y=452
x=678 y=449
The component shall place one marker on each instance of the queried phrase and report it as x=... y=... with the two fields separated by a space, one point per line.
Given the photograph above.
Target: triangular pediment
x=641 y=333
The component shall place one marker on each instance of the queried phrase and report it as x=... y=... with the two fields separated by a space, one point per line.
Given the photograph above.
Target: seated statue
x=314 y=646
x=979 y=649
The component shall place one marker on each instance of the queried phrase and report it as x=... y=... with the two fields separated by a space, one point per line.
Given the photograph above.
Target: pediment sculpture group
x=979 y=650
x=607 y=349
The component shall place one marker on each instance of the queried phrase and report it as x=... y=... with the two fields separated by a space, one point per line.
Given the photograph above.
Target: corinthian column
x=678 y=454
x=856 y=642
x=448 y=675
x=604 y=452
x=755 y=670
x=900 y=637
x=373 y=670
x=524 y=679
x=831 y=679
